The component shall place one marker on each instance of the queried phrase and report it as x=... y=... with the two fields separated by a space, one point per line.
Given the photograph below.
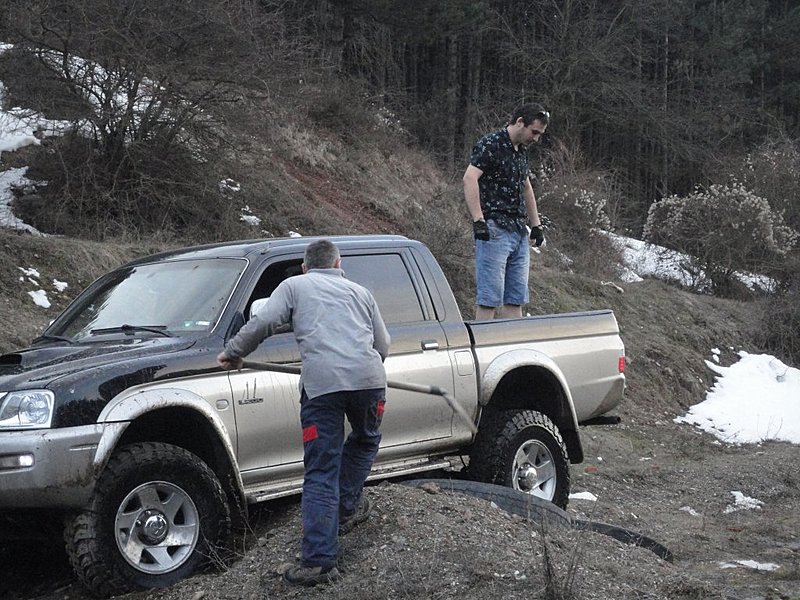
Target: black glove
x=537 y=235
x=481 y=230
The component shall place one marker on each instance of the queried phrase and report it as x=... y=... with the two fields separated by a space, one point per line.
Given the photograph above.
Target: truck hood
x=36 y=367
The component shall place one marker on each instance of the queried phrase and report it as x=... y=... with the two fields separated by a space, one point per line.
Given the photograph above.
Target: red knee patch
x=381 y=405
x=309 y=433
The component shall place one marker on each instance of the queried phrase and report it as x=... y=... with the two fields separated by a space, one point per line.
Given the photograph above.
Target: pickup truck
x=118 y=417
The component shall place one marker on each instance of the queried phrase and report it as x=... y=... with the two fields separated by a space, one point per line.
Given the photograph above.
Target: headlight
x=26 y=409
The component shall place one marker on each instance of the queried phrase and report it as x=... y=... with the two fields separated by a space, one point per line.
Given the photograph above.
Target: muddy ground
x=662 y=479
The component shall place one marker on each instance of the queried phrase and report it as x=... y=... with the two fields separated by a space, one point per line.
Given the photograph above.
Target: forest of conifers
x=657 y=96
x=662 y=92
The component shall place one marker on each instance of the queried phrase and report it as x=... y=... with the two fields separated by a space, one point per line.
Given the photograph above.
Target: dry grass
x=76 y=262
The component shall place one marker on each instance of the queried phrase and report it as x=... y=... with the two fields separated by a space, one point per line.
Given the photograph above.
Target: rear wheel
x=522 y=449
x=158 y=515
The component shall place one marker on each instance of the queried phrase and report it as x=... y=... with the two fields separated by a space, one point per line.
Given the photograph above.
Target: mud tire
x=509 y=442
x=183 y=493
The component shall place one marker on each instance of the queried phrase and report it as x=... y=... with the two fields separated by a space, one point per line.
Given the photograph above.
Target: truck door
x=418 y=352
x=267 y=405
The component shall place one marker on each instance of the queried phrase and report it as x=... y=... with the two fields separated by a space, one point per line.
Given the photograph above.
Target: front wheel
x=522 y=449
x=158 y=515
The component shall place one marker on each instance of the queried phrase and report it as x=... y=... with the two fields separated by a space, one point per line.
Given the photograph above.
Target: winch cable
x=433 y=390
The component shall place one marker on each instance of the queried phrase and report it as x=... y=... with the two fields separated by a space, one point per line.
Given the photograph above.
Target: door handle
x=430 y=344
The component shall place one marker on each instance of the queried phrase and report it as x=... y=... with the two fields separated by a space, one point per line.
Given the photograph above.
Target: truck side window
x=386 y=276
x=271 y=277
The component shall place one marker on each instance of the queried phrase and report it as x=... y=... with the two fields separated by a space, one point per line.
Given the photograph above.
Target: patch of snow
x=40 y=298
x=742 y=502
x=60 y=285
x=229 y=185
x=642 y=259
x=690 y=510
x=10 y=179
x=251 y=220
x=754 y=400
x=750 y=564
x=583 y=496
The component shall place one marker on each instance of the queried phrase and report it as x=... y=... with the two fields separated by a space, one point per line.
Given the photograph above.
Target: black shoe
x=310 y=576
x=349 y=522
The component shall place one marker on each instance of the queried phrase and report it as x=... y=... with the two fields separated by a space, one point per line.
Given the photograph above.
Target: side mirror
x=257 y=305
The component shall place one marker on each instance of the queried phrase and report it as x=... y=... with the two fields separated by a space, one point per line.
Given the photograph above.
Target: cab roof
x=247 y=248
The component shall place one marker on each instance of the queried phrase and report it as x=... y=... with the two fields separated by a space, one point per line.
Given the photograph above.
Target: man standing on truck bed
x=500 y=199
x=343 y=343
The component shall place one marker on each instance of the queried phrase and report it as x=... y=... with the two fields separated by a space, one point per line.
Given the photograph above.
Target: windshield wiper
x=46 y=337
x=131 y=329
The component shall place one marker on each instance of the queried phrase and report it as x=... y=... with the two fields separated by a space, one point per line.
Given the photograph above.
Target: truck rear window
x=386 y=276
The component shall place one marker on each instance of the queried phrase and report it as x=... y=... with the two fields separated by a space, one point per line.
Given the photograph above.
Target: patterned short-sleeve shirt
x=505 y=171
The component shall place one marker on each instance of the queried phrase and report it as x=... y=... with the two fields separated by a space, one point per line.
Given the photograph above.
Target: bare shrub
x=780 y=316
x=772 y=171
x=170 y=193
x=724 y=229
x=338 y=105
x=575 y=218
x=145 y=85
x=442 y=224
x=30 y=84
x=577 y=204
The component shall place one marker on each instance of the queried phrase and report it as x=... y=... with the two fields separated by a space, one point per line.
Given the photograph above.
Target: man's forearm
x=530 y=205
x=472 y=196
x=248 y=338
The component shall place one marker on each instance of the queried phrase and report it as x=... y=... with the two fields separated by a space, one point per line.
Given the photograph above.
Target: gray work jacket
x=342 y=338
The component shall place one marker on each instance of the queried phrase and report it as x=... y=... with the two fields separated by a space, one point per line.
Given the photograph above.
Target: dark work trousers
x=335 y=469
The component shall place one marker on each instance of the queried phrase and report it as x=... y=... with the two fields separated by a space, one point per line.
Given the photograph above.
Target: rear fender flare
x=514 y=359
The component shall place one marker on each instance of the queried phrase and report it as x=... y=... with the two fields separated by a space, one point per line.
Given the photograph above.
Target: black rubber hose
x=537 y=509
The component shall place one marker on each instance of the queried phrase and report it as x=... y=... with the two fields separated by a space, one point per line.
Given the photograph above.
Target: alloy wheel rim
x=157 y=527
x=533 y=470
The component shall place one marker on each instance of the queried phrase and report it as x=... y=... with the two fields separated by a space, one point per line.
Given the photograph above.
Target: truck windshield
x=154 y=299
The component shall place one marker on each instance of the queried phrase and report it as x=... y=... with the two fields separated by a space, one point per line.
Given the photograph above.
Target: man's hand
x=227 y=363
x=481 y=230
x=537 y=235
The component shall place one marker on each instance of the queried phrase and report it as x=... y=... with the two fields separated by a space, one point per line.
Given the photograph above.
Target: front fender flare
x=120 y=412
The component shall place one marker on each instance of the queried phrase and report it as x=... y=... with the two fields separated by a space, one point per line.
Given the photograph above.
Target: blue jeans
x=502 y=265
x=335 y=469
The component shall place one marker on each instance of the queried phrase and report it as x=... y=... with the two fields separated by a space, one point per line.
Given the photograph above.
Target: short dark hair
x=530 y=112
x=321 y=254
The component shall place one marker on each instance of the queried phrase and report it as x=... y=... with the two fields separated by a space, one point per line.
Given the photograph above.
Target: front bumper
x=48 y=468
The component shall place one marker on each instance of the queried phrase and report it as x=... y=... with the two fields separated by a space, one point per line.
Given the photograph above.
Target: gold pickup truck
x=119 y=418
